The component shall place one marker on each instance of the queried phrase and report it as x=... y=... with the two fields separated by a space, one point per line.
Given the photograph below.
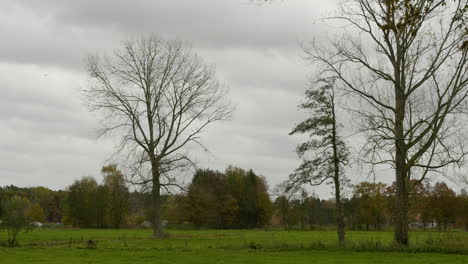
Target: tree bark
x=156 y=196
x=401 y=217
x=401 y=229
x=339 y=215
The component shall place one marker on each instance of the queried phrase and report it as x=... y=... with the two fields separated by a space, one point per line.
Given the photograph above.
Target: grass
x=232 y=246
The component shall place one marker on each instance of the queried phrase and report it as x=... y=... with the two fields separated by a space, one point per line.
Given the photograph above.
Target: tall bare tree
x=406 y=60
x=326 y=147
x=159 y=97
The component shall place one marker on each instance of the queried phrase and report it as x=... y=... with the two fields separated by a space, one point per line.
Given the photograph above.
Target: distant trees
x=307 y=209
x=304 y=211
x=116 y=195
x=35 y=213
x=285 y=193
x=462 y=209
x=49 y=201
x=208 y=200
x=420 y=206
x=15 y=218
x=372 y=207
x=81 y=203
x=443 y=202
x=325 y=152
x=430 y=205
x=234 y=199
x=90 y=205
x=159 y=97
x=255 y=203
x=371 y=203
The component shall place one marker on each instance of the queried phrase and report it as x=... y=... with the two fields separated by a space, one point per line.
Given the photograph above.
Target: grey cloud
x=270 y=69
x=61 y=32
x=36 y=38
x=43 y=99
x=214 y=23
x=48 y=137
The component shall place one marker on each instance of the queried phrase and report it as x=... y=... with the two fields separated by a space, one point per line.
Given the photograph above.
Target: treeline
x=85 y=203
x=372 y=207
x=236 y=198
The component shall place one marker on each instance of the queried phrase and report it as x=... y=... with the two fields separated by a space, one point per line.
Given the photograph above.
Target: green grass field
x=232 y=246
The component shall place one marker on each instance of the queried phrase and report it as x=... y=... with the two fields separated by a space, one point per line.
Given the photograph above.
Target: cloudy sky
x=47 y=136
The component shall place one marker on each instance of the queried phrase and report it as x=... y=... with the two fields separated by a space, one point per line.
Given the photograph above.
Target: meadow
x=232 y=246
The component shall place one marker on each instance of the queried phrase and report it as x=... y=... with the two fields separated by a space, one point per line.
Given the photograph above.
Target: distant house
x=145 y=224
x=418 y=223
x=423 y=225
x=37 y=224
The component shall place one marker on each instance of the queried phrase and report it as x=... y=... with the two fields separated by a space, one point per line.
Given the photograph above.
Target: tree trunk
x=401 y=172
x=156 y=196
x=401 y=221
x=339 y=215
x=286 y=225
x=336 y=177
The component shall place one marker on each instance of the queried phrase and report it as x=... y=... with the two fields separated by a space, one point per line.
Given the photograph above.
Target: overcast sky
x=47 y=136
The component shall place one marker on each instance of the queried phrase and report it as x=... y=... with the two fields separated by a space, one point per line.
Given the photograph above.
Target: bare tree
x=159 y=97
x=406 y=60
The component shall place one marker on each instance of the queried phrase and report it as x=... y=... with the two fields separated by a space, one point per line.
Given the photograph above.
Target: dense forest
x=237 y=198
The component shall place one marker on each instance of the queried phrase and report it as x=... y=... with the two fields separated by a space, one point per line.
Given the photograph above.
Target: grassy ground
x=232 y=246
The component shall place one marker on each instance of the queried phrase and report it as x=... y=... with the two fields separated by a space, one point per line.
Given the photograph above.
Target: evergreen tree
x=328 y=150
